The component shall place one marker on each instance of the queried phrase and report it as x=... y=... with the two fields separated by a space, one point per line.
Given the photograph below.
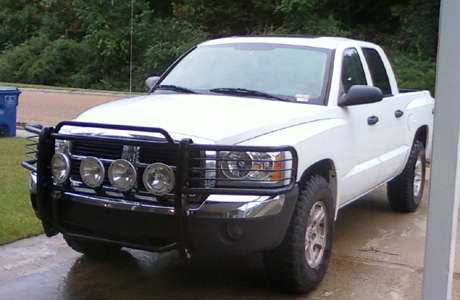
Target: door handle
x=372 y=120
x=399 y=113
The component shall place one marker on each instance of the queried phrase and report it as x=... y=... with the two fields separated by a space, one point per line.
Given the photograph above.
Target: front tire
x=406 y=190
x=298 y=265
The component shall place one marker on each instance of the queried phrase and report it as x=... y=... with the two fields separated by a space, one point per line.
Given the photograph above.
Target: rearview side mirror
x=150 y=82
x=361 y=94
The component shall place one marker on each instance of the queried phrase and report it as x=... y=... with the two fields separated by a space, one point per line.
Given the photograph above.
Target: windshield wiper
x=175 y=88
x=245 y=92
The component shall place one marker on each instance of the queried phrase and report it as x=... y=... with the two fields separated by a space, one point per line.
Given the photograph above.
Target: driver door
x=364 y=174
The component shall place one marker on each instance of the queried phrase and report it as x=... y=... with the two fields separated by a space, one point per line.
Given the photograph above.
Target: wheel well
x=421 y=135
x=324 y=168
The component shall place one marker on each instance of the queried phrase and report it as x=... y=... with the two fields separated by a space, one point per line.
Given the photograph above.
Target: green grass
x=17 y=219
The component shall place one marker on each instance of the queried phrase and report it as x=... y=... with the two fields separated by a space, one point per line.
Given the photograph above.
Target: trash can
x=9 y=96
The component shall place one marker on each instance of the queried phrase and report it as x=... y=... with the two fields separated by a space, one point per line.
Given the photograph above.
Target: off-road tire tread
x=400 y=189
x=284 y=269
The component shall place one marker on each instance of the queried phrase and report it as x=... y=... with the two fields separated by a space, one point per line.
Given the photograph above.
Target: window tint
x=378 y=71
x=352 y=70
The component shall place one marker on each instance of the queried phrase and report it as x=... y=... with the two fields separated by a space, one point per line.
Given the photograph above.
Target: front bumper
x=230 y=220
x=224 y=226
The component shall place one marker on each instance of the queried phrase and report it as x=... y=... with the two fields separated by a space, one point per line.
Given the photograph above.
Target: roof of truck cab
x=320 y=42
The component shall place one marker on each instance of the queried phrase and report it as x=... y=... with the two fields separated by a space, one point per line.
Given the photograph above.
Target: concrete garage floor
x=378 y=254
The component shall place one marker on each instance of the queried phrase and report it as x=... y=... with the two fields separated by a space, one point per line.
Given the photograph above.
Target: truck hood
x=218 y=119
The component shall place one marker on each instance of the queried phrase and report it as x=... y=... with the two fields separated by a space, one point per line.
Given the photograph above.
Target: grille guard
x=45 y=149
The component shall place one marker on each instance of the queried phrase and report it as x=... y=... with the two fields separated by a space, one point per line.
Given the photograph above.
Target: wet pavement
x=378 y=255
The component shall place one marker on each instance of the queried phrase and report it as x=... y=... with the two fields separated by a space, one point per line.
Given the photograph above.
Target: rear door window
x=378 y=71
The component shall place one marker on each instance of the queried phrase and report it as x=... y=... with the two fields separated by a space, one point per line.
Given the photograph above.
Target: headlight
x=236 y=165
x=122 y=175
x=252 y=166
x=158 y=179
x=262 y=165
x=92 y=172
x=60 y=167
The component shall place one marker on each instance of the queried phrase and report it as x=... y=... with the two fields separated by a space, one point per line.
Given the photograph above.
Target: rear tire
x=92 y=249
x=298 y=265
x=406 y=190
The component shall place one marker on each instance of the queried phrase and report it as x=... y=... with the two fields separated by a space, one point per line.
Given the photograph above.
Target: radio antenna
x=131 y=50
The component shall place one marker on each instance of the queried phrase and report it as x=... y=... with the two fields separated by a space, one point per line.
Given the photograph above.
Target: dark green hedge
x=87 y=44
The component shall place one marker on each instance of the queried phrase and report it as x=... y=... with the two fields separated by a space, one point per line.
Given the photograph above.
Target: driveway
x=378 y=254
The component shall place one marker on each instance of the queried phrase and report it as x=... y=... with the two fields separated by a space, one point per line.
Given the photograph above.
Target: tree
x=224 y=18
x=311 y=17
x=19 y=21
x=88 y=43
x=59 y=19
x=418 y=32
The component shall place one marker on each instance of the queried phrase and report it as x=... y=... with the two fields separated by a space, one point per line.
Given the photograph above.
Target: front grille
x=101 y=149
x=164 y=153
x=160 y=152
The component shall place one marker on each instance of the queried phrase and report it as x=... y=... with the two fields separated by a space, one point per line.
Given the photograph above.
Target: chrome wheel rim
x=316 y=235
x=418 y=176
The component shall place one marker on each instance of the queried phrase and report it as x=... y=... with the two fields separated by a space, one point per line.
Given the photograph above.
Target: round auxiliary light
x=122 y=175
x=60 y=167
x=158 y=179
x=92 y=172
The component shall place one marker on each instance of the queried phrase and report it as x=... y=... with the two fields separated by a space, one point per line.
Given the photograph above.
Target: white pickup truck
x=244 y=144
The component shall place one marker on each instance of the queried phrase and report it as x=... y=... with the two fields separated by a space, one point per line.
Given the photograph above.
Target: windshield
x=272 y=71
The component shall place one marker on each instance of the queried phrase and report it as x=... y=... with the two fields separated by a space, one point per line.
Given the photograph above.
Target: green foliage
x=20 y=20
x=310 y=17
x=80 y=43
x=418 y=32
x=107 y=28
x=17 y=219
x=89 y=45
x=413 y=71
x=223 y=18
x=59 y=19
x=41 y=61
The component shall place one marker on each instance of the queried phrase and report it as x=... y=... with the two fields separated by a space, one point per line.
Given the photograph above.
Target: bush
x=45 y=62
x=414 y=71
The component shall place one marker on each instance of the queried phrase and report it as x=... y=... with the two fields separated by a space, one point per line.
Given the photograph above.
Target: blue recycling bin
x=9 y=96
